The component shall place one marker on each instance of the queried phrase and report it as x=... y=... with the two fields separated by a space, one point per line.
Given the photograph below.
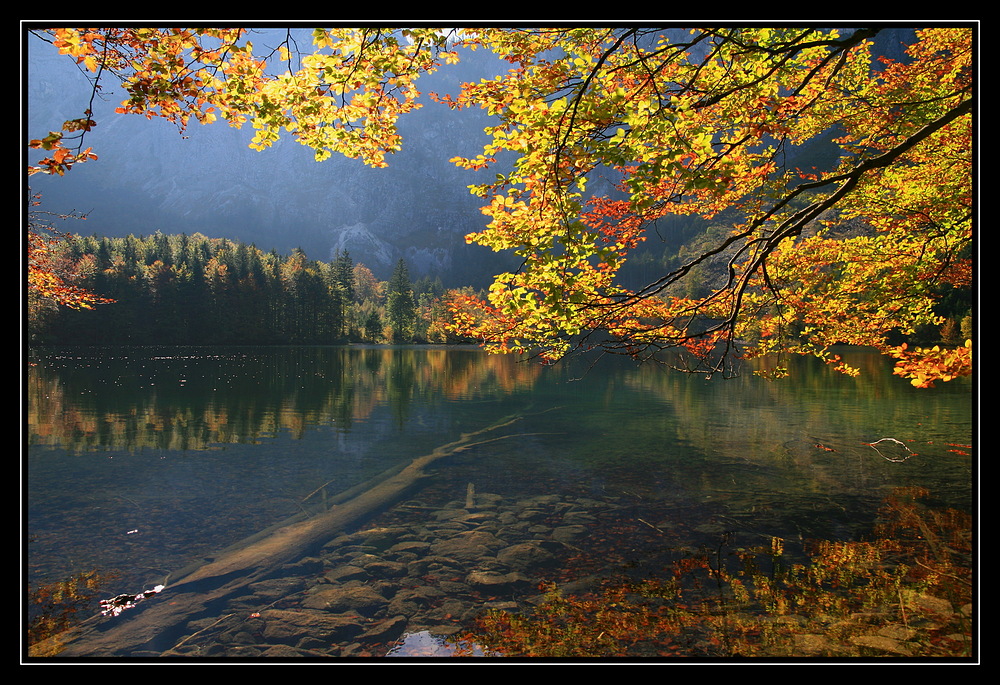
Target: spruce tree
x=401 y=309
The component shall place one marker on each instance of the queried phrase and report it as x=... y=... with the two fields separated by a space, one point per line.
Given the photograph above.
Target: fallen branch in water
x=159 y=624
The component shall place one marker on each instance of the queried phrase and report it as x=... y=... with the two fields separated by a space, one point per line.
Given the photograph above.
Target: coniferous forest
x=194 y=290
x=181 y=289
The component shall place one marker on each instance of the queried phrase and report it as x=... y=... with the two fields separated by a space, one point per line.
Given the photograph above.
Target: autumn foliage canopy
x=684 y=122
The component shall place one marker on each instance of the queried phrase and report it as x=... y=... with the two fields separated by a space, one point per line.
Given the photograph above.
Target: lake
x=141 y=461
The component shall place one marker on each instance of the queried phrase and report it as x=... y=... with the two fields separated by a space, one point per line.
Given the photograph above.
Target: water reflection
x=186 y=399
x=425 y=644
x=145 y=459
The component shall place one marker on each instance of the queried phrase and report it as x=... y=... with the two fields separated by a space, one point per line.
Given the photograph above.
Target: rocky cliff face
x=148 y=177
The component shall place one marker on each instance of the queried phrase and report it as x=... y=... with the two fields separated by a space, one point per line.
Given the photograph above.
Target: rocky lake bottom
x=412 y=581
x=409 y=579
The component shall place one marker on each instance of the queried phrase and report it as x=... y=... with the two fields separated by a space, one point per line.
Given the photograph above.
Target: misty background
x=149 y=177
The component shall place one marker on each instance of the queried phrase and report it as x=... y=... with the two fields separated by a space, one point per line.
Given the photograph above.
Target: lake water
x=140 y=461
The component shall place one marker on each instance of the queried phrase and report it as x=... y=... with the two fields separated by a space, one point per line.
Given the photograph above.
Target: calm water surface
x=143 y=460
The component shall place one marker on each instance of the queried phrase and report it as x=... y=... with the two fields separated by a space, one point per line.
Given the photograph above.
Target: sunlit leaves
x=63 y=158
x=687 y=122
x=924 y=367
x=705 y=135
x=348 y=100
x=45 y=279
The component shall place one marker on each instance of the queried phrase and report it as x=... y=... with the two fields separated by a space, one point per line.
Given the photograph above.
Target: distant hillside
x=148 y=178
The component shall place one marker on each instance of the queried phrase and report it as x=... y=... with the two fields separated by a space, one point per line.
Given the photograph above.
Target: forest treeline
x=194 y=290
x=184 y=289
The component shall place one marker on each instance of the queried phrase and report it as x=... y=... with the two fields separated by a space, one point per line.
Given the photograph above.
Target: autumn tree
x=702 y=122
x=53 y=281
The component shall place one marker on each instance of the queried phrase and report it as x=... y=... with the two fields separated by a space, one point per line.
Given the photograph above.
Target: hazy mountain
x=149 y=178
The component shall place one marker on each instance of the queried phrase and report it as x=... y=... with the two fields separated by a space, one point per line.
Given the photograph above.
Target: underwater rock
x=282 y=626
x=525 y=555
x=354 y=597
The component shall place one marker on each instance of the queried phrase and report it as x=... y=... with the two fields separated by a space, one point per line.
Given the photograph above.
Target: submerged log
x=156 y=624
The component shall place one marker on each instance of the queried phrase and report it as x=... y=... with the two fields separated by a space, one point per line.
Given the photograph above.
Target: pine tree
x=401 y=308
x=373 y=326
x=343 y=273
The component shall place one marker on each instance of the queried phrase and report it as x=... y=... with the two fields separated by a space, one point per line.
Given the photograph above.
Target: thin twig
x=194 y=635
